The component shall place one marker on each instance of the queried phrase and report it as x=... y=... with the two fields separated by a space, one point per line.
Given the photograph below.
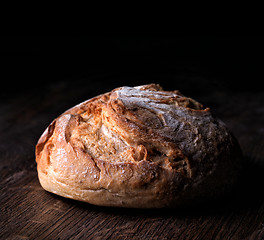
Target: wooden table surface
x=29 y=212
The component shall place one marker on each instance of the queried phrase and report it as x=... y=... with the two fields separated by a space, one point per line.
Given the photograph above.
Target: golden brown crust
x=137 y=147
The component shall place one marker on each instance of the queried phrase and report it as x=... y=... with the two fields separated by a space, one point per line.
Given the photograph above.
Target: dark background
x=30 y=64
x=43 y=77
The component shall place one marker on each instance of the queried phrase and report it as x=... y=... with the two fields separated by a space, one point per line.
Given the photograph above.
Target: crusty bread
x=138 y=147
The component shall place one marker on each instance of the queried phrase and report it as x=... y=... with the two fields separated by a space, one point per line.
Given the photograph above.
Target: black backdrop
x=31 y=64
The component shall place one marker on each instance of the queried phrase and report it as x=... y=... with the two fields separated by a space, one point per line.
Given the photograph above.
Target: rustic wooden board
x=29 y=212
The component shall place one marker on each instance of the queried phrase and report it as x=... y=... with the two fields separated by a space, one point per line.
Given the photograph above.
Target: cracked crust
x=139 y=147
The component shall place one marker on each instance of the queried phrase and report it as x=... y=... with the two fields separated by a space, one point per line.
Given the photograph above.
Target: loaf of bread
x=138 y=147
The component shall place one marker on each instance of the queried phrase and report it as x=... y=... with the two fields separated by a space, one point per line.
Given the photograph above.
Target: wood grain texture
x=29 y=212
